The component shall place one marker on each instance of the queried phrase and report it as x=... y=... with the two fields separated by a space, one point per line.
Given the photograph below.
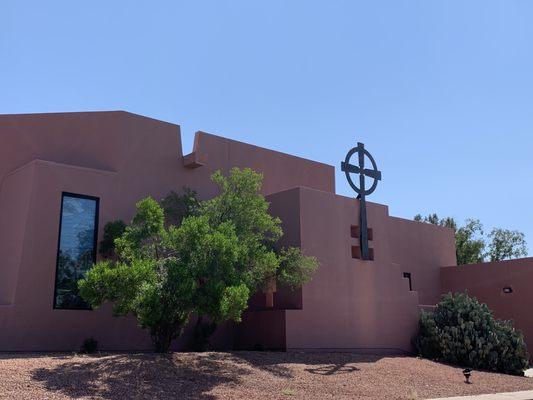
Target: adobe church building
x=64 y=176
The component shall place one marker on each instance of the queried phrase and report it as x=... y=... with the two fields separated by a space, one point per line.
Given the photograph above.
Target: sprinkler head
x=467 y=373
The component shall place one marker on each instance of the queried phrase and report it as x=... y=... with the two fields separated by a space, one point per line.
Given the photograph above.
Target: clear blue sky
x=441 y=92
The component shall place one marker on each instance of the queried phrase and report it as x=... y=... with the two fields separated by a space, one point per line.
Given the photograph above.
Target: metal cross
x=361 y=191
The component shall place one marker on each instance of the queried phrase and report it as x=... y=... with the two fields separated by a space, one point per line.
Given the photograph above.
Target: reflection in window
x=77 y=248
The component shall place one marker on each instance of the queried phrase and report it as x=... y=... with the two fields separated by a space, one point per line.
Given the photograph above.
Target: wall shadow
x=315 y=363
x=332 y=369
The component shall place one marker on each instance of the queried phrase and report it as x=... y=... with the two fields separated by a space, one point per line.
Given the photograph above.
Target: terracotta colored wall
x=30 y=323
x=14 y=212
x=280 y=171
x=261 y=330
x=486 y=282
x=422 y=249
x=120 y=158
x=145 y=153
x=353 y=304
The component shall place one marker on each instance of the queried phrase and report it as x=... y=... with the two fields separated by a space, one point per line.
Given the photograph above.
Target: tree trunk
x=202 y=332
x=162 y=340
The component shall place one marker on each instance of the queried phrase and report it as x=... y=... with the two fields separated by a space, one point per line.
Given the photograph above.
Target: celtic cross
x=361 y=191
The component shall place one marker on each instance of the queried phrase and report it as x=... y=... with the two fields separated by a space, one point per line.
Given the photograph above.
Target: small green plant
x=288 y=392
x=464 y=332
x=112 y=230
x=89 y=346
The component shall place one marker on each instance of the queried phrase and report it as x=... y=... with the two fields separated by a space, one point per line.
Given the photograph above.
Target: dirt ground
x=246 y=375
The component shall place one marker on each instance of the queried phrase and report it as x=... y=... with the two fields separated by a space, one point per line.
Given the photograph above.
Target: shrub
x=463 y=331
x=89 y=346
x=112 y=230
x=203 y=258
x=203 y=329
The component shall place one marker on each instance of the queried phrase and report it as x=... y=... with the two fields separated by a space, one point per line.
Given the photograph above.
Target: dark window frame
x=95 y=242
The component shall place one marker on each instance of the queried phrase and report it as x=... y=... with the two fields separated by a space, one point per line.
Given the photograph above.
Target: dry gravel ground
x=246 y=375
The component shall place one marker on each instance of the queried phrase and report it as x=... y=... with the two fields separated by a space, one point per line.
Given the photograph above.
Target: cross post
x=361 y=190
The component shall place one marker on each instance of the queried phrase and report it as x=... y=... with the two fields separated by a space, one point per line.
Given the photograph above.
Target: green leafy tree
x=241 y=204
x=434 y=219
x=469 y=243
x=162 y=273
x=506 y=244
x=295 y=269
x=149 y=281
x=223 y=250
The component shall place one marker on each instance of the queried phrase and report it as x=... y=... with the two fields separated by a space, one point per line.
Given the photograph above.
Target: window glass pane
x=76 y=248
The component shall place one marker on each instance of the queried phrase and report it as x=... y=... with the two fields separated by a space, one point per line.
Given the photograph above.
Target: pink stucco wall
x=486 y=282
x=355 y=304
x=422 y=249
x=121 y=158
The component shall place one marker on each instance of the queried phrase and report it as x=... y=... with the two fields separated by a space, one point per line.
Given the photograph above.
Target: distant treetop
x=471 y=245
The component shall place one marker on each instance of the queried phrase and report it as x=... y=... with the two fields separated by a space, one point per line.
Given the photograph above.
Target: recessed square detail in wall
x=354 y=232
x=356 y=253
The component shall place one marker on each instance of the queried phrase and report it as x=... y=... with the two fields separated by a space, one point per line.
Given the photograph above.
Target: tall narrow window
x=76 y=253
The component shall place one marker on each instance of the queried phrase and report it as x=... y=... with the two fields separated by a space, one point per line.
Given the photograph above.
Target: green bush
x=464 y=332
x=221 y=252
x=89 y=346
